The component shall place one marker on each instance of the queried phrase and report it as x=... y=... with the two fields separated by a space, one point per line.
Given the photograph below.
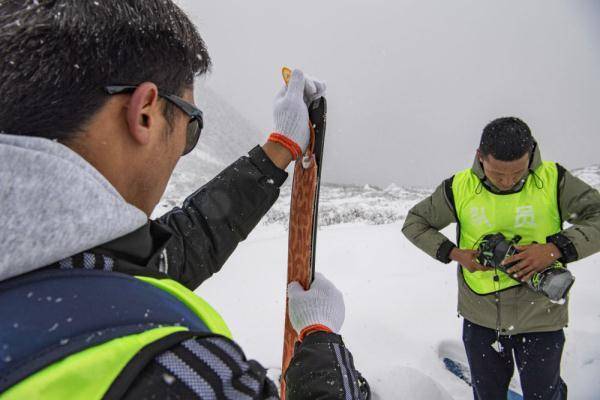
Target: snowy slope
x=226 y=136
x=401 y=304
x=374 y=206
x=401 y=309
x=345 y=204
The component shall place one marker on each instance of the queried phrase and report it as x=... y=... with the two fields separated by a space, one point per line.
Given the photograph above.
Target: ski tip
x=287 y=74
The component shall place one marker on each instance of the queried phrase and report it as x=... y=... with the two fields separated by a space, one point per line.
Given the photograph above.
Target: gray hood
x=54 y=204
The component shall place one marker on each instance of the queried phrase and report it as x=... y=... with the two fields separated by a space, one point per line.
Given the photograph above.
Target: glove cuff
x=286 y=142
x=443 y=253
x=313 y=328
x=566 y=247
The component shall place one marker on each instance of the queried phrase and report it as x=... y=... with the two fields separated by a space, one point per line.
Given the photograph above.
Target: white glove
x=313 y=89
x=290 y=111
x=322 y=304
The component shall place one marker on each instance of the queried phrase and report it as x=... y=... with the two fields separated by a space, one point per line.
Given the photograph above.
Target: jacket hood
x=54 y=204
x=536 y=161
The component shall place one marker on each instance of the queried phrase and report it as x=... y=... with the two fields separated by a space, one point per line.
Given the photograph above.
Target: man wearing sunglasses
x=96 y=301
x=195 y=124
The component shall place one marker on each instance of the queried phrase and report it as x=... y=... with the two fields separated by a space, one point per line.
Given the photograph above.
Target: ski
x=304 y=210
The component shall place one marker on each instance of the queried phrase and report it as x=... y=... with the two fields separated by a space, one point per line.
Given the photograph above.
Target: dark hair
x=56 y=56
x=506 y=139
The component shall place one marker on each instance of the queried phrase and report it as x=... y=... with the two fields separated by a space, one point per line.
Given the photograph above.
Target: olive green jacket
x=518 y=310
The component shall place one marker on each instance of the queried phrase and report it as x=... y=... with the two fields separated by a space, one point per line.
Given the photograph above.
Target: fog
x=412 y=83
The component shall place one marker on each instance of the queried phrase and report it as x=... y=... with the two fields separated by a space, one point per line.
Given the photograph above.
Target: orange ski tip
x=287 y=74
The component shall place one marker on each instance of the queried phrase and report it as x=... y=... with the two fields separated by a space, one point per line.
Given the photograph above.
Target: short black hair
x=506 y=139
x=57 y=55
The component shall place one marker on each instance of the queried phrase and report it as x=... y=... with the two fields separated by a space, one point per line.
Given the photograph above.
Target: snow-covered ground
x=401 y=304
x=401 y=308
x=342 y=204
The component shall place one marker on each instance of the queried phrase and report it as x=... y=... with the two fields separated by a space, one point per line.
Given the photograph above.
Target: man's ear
x=141 y=111
x=480 y=156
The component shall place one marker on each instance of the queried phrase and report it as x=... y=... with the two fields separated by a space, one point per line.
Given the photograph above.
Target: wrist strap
x=286 y=142
x=311 y=329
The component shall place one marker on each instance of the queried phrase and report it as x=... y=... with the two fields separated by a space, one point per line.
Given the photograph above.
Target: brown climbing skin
x=304 y=190
x=303 y=209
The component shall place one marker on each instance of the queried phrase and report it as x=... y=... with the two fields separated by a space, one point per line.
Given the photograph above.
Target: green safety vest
x=90 y=373
x=533 y=213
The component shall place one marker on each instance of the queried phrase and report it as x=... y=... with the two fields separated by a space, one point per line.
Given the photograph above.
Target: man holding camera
x=509 y=190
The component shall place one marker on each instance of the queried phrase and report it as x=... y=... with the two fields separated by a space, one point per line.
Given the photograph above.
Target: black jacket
x=189 y=245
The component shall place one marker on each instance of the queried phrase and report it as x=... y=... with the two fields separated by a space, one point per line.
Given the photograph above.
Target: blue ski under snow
x=459 y=371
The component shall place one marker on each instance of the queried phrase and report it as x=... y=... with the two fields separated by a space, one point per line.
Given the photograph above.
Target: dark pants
x=537 y=356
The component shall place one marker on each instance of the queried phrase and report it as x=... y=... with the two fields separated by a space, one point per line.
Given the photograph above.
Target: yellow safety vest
x=532 y=213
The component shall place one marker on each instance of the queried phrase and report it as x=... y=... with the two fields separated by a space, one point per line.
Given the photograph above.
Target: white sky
x=413 y=82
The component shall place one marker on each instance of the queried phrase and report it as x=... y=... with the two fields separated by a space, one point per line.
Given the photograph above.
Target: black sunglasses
x=196 y=121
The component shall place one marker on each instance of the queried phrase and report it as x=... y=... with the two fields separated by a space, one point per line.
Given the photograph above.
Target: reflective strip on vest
x=533 y=213
x=89 y=374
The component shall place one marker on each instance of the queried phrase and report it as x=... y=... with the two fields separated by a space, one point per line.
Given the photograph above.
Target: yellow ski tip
x=287 y=74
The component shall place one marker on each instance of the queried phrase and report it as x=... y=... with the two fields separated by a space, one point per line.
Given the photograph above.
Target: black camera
x=554 y=282
x=495 y=248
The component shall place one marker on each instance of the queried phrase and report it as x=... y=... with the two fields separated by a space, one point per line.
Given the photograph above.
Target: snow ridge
x=339 y=204
x=344 y=204
x=590 y=175
x=226 y=136
x=221 y=144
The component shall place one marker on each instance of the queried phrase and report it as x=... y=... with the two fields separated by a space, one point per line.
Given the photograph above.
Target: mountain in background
x=226 y=136
x=341 y=204
x=374 y=206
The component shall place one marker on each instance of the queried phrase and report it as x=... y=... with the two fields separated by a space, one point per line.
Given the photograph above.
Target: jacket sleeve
x=212 y=221
x=206 y=367
x=215 y=367
x=322 y=368
x=579 y=206
x=425 y=220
